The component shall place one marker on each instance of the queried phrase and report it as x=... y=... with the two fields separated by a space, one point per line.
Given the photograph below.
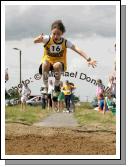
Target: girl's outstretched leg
x=45 y=72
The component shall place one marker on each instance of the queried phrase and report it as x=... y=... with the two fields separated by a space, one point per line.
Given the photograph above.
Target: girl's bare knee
x=57 y=66
x=46 y=66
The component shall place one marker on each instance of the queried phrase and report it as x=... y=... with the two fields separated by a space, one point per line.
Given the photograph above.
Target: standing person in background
x=99 y=88
x=25 y=93
x=50 y=89
x=99 y=91
x=112 y=85
x=6 y=79
x=55 y=94
x=43 y=98
x=110 y=99
x=101 y=103
x=67 y=88
x=72 y=96
x=6 y=75
x=112 y=79
x=115 y=59
x=61 y=98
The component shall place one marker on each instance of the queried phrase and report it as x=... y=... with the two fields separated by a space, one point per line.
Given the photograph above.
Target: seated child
x=110 y=103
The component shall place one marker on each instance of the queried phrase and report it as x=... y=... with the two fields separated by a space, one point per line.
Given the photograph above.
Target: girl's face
x=56 y=34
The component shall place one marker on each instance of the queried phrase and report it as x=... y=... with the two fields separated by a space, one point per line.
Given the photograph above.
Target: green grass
x=86 y=105
x=31 y=115
x=85 y=115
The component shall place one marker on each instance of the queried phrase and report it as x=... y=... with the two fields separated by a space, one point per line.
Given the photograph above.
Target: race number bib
x=55 y=48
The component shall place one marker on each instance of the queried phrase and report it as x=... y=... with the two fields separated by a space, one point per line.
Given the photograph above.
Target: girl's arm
x=39 y=39
x=73 y=87
x=84 y=55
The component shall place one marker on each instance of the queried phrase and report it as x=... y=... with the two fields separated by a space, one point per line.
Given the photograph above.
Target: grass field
x=30 y=116
x=85 y=115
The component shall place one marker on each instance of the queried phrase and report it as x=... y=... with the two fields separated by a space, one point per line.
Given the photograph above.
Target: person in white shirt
x=112 y=85
x=50 y=89
x=25 y=93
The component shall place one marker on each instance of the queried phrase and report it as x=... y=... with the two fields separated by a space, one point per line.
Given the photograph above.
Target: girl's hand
x=41 y=35
x=39 y=39
x=92 y=63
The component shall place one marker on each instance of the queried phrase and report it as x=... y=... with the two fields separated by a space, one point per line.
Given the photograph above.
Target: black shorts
x=55 y=99
x=51 y=68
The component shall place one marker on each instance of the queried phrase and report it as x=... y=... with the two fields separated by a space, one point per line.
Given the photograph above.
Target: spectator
x=72 y=96
x=112 y=79
x=110 y=100
x=101 y=103
x=61 y=98
x=99 y=88
x=50 y=89
x=67 y=88
x=6 y=75
x=25 y=93
x=99 y=91
x=110 y=103
x=44 y=94
x=55 y=94
x=112 y=85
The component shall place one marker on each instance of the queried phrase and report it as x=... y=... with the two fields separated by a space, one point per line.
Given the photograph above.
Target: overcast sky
x=27 y=21
x=92 y=28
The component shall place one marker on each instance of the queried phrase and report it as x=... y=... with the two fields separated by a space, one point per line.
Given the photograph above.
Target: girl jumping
x=55 y=52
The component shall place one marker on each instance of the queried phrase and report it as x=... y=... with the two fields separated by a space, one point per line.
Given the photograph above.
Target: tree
x=13 y=93
x=76 y=98
x=7 y=96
